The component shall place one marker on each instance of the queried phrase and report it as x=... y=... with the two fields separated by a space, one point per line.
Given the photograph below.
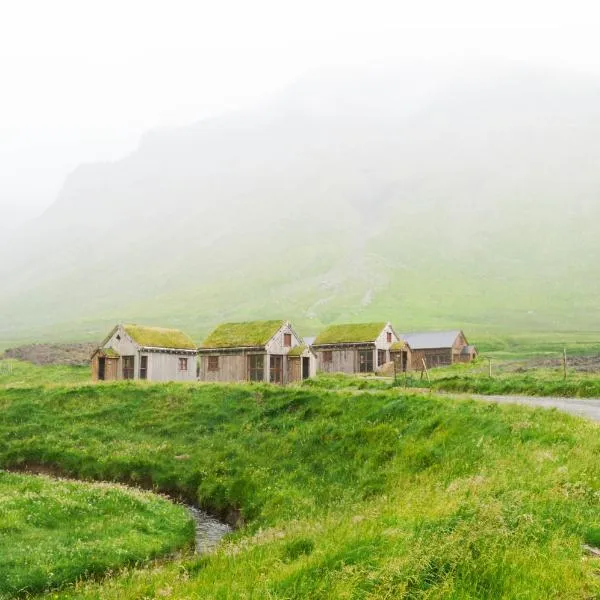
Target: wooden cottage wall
x=232 y=367
x=294 y=368
x=381 y=342
x=459 y=343
x=344 y=360
x=124 y=347
x=94 y=365
x=164 y=366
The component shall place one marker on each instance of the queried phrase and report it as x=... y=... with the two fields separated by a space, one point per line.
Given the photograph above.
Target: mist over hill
x=464 y=197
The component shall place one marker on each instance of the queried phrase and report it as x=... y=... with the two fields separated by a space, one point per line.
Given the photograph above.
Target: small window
x=118 y=338
x=381 y=356
x=287 y=340
x=327 y=356
x=143 y=367
x=128 y=366
x=183 y=364
x=389 y=337
x=213 y=363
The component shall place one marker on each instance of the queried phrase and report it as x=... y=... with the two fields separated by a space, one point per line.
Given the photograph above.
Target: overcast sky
x=81 y=80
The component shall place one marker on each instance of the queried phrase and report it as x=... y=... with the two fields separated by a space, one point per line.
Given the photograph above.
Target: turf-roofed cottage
x=354 y=348
x=438 y=348
x=153 y=353
x=256 y=351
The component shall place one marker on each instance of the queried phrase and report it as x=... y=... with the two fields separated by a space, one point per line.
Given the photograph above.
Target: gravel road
x=581 y=407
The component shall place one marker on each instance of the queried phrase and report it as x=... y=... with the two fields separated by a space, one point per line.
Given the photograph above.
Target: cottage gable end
x=284 y=340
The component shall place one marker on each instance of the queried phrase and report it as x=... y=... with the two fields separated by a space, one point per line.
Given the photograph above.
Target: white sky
x=81 y=80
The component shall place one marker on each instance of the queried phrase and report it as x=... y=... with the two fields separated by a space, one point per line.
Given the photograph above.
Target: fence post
x=565 y=364
x=426 y=371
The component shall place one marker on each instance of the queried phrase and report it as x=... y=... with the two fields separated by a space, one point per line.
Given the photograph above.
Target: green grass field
x=54 y=532
x=336 y=494
x=21 y=373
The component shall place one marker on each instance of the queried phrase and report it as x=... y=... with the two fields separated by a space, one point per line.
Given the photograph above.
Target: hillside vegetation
x=466 y=198
x=55 y=532
x=336 y=494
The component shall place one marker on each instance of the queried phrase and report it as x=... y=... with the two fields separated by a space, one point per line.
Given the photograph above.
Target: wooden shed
x=152 y=353
x=400 y=355
x=354 y=347
x=256 y=351
x=438 y=348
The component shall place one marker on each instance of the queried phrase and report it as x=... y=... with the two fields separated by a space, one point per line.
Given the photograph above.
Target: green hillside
x=470 y=203
x=335 y=494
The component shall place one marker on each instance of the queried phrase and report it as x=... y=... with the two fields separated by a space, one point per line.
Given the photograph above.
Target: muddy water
x=209 y=530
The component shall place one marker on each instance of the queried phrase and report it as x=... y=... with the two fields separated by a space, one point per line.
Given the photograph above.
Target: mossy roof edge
x=159 y=337
x=246 y=334
x=350 y=333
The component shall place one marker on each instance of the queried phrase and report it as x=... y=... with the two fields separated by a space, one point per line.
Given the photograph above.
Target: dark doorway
x=404 y=360
x=101 y=368
x=305 y=367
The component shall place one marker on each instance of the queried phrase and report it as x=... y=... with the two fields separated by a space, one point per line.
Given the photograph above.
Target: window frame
x=143 y=371
x=256 y=367
x=276 y=368
x=287 y=340
x=381 y=354
x=212 y=363
x=327 y=356
x=389 y=337
x=128 y=366
x=182 y=364
x=365 y=360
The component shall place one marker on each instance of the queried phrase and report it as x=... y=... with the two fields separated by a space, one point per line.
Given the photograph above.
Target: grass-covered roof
x=350 y=333
x=249 y=334
x=297 y=350
x=401 y=345
x=159 y=337
x=109 y=353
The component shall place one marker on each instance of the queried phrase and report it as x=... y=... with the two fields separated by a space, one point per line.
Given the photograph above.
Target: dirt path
x=581 y=407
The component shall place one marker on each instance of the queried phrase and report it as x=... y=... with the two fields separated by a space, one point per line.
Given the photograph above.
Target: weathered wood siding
x=232 y=367
x=164 y=366
x=343 y=360
x=434 y=357
x=295 y=366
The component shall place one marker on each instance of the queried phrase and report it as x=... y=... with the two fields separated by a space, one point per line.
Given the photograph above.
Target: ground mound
x=53 y=354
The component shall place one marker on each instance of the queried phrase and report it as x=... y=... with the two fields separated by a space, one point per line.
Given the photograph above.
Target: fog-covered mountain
x=465 y=197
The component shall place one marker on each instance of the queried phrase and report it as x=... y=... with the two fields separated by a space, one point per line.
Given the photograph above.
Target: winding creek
x=209 y=531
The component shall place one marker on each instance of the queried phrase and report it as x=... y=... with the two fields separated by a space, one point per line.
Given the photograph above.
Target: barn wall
x=434 y=357
x=457 y=347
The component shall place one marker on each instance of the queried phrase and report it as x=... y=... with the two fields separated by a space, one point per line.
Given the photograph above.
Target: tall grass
x=337 y=494
x=55 y=532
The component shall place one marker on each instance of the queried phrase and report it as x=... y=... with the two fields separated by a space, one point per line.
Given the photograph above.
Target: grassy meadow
x=20 y=373
x=54 y=532
x=336 y=494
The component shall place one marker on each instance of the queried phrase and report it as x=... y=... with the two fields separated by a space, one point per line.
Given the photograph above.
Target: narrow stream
x=209 y=531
